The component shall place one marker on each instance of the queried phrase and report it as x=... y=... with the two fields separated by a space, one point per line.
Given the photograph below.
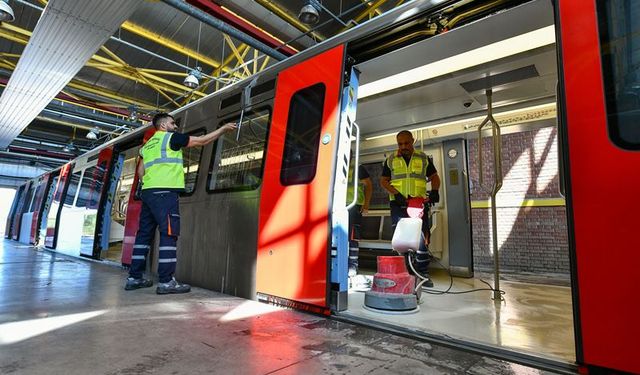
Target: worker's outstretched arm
x=210 y=137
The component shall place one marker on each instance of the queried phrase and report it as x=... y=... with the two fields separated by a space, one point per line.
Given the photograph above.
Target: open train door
x=601 y=113
x=95 y=205
x=295 y=202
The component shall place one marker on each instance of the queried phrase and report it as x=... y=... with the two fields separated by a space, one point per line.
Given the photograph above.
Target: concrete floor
x=61 y=315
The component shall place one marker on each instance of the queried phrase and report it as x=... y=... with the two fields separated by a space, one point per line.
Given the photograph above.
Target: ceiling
x=141 y=67
x=529 y=76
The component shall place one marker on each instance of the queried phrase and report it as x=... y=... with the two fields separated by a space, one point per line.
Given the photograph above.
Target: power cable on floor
x=448 y=290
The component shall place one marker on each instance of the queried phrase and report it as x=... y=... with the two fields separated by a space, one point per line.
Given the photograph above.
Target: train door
x=112 y=213
x=53 y=218
x=295 y=203
x=42 y=185
x=601 y=114
x=46 y=206
x=71 y=224
x=92 y=196
x=10 y=226
x=23 y=207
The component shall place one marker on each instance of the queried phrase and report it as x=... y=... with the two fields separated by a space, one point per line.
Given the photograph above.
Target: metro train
x=263 y=215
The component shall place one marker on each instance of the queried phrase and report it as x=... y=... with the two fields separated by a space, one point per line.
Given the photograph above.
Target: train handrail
x=497 y=184
x=356 y=160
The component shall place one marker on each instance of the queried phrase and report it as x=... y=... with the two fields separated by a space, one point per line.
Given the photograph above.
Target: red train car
x=264 y=213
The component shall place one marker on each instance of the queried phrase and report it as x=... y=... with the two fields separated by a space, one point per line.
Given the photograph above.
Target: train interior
x=438 y=89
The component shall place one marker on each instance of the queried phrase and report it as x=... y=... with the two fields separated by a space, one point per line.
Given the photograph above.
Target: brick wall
x=530 y=239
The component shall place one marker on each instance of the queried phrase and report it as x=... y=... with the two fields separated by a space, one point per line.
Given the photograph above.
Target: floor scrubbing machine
x=394 y=290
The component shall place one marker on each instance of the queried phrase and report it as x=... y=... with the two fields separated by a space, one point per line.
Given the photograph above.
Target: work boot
x=133 y=284
x=428 y=283
x=172 y=287
x=425 y=274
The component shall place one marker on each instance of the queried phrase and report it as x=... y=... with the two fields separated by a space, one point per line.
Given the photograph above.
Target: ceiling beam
x=243 y=25
x=224 y=28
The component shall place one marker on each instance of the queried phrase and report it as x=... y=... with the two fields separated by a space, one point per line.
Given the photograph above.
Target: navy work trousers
x=160 y=209
x=423 y=258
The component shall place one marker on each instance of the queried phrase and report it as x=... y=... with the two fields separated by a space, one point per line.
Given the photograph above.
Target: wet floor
x=535 y=319
x=61 y=315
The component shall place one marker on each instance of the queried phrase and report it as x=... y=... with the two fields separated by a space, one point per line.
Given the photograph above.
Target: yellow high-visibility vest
x=360 y=199
x=163 y=167
x=409 y=180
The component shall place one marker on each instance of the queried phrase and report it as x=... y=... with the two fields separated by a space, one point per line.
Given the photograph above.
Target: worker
x=161 y=171
x=404 y=175
x=363 y=198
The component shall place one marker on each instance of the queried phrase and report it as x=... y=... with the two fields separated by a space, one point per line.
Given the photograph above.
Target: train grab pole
x=497 y=184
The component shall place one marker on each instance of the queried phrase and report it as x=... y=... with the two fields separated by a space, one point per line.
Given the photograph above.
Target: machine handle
x=355 y=169
x=434 y=220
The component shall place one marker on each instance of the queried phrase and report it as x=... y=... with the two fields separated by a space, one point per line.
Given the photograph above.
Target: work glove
x=400 y=199
x=434 y=196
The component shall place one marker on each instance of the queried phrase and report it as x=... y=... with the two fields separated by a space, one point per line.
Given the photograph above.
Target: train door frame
x=46 y=206
x=51 y=239
x=278 y=254
x=40 y=202
x=10 y=225
x=25 y=200
x=599 y=310
x=98 y=199
x=500 y=351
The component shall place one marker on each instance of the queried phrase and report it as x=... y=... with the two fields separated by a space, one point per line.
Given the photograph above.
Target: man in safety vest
x=161 y=171
x=363 y=198
x=404 y=175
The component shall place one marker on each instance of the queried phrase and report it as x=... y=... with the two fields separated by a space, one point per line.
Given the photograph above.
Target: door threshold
x=539 y=362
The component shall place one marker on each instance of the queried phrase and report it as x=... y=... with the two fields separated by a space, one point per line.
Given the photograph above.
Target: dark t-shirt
x=386 y=171
x=362 y=173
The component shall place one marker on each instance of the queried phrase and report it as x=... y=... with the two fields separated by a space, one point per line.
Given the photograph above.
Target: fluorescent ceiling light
x=475 y=121
x=498 y=50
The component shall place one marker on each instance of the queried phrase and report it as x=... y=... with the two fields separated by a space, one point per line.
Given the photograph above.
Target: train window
x=191 y=158
x=237 y=160
x=86 y=187
x=303 y=135
x=619 y=26
x=74 y=180
x=27 y=200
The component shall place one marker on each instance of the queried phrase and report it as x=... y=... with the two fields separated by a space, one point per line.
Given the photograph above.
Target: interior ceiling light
x=471 y=122
x=93 y=133
x=69 y=147
x=6 y=12
x=310 y=13
x=193 y=78
x=494 y=51
x=133 y=112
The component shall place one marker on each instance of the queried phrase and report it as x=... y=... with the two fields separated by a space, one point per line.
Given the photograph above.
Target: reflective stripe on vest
x=360 y=200
x=163 y=167
x=409 y=180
